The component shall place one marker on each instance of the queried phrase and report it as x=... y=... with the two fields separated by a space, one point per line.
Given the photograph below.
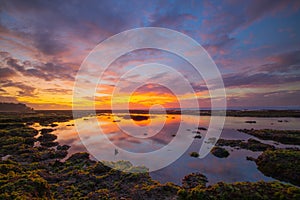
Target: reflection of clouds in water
x=230 y=169
x=233 y=168
x=69 y=141
x=134 y=144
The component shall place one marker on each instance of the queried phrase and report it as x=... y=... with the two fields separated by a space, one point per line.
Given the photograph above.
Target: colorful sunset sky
x=255 y=45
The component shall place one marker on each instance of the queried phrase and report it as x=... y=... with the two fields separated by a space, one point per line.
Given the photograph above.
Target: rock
x=281 y=164
x=250 y=158
x=49 y=144
x=220 y=152
x=63 y=147
x=46 y=130
x=250 y=122
x=194 y=154
x=255 y=145
x=197 y=136
x=139 y=117
x=193 y=180
x=242 y=190
x=78 y=157
x=100 y=168
x=46 y=137
x=251 y=144
x=282 y=136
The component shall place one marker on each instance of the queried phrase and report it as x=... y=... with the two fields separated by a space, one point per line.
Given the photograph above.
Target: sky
x=255 y=45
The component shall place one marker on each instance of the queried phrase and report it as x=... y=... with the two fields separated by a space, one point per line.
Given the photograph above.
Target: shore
x=29 y=171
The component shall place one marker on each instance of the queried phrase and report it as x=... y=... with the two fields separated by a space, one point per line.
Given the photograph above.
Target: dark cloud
x=48 y=43
x=47 y=71
x=282 y=68
x=50 y=24
x=259 y=8
x=283 y=63
x=258 y=79
x=6 y=72
x=58 y=91
x=25 y=90
x=199 y=87
x=8 y=99
x=277 y=98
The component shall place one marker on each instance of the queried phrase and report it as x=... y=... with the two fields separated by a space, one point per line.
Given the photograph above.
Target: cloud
x=280 y=69
x=258 y=79
x=278 y=98
x=25 y=90
x=58 y=91
x=50 y=24
x=48 y=43
x=258 y=8
x=285 y=63
x=47 y=71
x=154 y=89
x=8 y=99
x=223 y=21
x=172 y=19
x=49 y=39
x=6 y=72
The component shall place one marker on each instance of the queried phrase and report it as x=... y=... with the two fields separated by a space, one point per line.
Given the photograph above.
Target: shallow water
x=154 y=133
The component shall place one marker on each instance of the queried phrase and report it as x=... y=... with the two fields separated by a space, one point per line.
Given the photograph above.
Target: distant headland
x=15 y=107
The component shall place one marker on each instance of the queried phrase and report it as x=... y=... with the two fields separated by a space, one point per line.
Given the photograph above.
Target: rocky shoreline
x=37 y=172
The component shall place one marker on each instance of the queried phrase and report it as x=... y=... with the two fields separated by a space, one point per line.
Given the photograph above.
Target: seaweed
x=282 y=136
x=282 y=164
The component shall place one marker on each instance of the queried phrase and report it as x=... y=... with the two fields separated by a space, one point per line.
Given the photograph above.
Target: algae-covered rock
x=47 y=137
x=242 y=190
x=193 y=180
x=282 y=136
x=63 y=147
x=251 y=144
x=220 y=152
x=281 y=164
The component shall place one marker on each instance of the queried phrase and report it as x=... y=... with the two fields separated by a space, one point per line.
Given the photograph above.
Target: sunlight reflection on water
x=231 y=169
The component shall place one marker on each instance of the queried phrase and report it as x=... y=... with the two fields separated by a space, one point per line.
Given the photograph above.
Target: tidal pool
x=147 y=133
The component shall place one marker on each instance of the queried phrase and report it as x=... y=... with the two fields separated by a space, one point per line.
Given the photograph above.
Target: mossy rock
x=281 y=164
x=251 y=144
x=63 y=147
x=46 y=130
x=282 y=136
x=24 y=186
x=193 y=180
x=220 y=152
x=242 y=190
x=49 y=144
x=46 y=137
x=157 y=191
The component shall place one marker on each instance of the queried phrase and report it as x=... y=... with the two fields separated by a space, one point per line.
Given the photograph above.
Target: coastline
x=43 y=163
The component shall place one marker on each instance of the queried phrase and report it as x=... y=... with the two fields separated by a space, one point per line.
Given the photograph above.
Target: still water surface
x=158 y=130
